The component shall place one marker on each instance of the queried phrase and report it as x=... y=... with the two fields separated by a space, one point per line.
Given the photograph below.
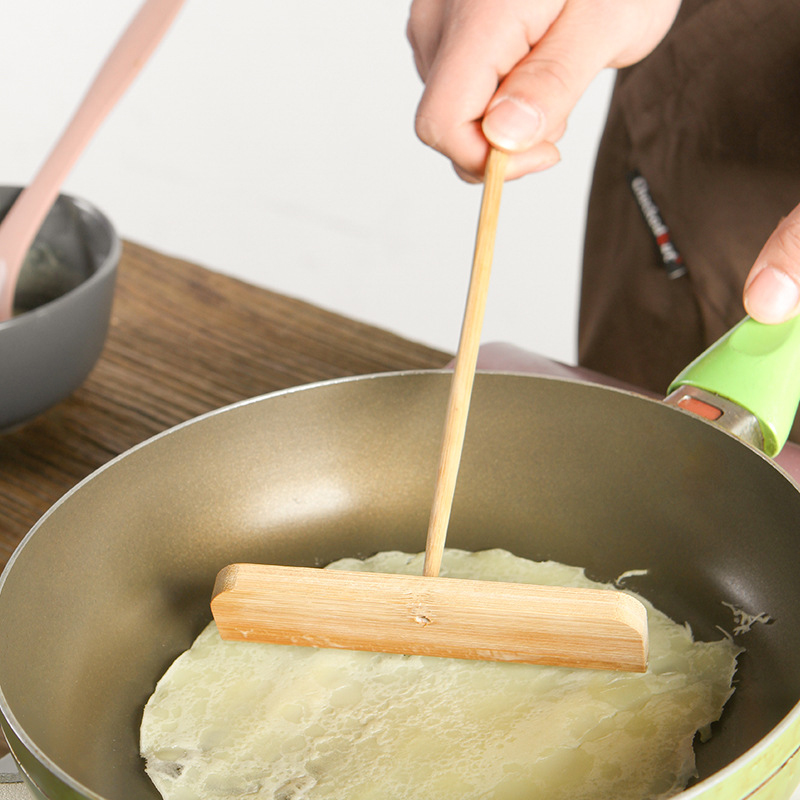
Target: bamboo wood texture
x=122 y=65
x=431 y=616
x=428 y=615
x=466 y=358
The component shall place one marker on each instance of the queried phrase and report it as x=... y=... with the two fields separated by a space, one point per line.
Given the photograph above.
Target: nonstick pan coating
x=115 y=580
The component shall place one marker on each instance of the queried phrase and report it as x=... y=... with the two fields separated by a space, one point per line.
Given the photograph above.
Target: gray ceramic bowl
x=62 y=308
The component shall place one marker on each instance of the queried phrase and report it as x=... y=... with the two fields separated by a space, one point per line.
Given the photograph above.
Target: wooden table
x=183 y=341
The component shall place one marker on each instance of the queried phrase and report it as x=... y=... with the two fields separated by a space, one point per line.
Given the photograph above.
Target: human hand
x=511 y=71
x=772 y=289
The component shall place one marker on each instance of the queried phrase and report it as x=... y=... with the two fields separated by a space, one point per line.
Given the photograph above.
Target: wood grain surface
x=183 y=340
x=481 y=620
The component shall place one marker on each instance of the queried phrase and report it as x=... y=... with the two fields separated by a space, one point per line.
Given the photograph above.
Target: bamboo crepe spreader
x=427 y=614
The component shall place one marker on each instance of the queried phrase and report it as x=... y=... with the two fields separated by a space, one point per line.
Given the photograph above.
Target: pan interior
x=115 y=580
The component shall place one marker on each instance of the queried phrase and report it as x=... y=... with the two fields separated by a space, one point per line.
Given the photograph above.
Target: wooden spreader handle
x=418 y=615
x=429 y=615
x=458 y=402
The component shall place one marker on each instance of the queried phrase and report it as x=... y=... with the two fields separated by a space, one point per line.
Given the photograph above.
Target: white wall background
x=273 y=140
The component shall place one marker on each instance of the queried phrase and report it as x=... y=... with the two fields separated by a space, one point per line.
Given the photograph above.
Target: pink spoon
x=25 y=217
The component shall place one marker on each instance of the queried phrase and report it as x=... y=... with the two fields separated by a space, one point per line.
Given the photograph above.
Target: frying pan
x=114 y=581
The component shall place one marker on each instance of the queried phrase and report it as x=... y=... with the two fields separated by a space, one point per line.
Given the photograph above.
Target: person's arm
x=511 y=71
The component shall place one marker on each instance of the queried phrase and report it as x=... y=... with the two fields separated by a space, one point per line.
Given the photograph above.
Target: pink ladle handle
x=25 y=217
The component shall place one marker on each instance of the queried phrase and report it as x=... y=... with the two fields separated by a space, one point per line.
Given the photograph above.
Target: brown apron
x=710 y=121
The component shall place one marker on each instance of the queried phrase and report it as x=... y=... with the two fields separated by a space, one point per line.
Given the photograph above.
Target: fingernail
x=511 y=124
x=772 y=296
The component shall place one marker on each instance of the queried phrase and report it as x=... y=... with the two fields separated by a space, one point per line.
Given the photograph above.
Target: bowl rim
x=105 y=267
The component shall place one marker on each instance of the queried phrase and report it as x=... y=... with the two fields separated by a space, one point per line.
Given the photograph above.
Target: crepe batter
x=241 y=719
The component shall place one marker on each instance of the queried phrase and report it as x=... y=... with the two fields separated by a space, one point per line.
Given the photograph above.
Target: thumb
x=772 y=289
x=535 y=99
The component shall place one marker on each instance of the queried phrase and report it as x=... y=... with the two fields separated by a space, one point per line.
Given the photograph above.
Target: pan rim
x=755 y=752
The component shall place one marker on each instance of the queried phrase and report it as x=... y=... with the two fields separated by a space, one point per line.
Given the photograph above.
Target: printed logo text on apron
x=670 y=257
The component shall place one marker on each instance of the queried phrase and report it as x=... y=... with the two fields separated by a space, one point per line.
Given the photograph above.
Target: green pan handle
x=757 y=367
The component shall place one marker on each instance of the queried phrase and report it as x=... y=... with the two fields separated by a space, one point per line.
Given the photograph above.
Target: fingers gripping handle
x=757 y=367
